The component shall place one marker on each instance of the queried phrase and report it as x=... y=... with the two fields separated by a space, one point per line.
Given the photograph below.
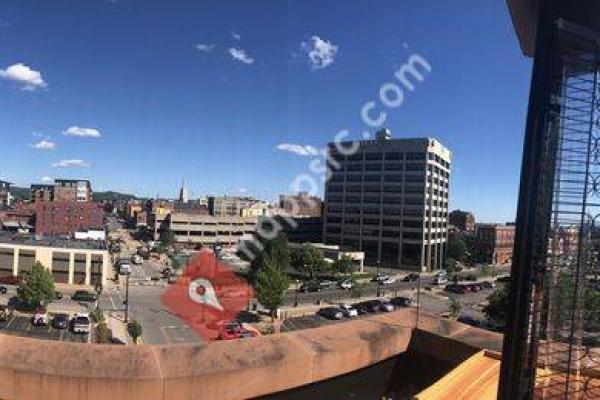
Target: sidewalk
x=117 y=326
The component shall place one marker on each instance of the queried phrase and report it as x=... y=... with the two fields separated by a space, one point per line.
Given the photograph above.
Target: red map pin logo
x=208 y=295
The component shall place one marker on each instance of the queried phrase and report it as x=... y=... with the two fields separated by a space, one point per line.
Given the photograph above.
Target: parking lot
x=22 y=326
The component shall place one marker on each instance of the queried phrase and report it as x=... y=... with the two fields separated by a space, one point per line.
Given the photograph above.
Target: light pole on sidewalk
x=126 y=302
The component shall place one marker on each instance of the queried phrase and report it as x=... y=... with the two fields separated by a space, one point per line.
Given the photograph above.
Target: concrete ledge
x=31 y=368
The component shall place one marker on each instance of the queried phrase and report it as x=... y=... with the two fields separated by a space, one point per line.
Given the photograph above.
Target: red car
x=11 y=280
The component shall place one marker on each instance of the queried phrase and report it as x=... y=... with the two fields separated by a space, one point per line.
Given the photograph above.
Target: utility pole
x=127 y=298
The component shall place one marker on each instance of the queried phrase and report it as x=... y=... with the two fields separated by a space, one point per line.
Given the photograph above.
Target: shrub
x=103 y=333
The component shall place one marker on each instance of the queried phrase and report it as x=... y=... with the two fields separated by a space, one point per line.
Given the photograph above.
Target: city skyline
x=238 y=109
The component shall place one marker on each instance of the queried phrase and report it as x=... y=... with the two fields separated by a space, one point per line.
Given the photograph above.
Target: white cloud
x=46 y=179
x=240 y=55
x=243 y=190
x=300 y=149
x=82 y=132
x=44 y=145
x=321 y=52
x=22 y=74
x=71 y=164
x=235 y=35
x=207 y=48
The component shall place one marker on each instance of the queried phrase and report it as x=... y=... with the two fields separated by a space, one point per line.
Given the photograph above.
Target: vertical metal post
x=127 y=298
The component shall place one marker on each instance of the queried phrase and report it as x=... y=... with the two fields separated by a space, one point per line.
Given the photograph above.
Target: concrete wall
x=33 y=369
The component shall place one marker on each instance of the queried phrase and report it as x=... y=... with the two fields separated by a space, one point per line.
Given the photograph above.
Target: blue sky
x=137 y=95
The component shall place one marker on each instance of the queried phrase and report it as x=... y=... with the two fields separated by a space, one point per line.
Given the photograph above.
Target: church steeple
x=183 y=193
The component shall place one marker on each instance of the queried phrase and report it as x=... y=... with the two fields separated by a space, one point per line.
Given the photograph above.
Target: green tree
x=103 y=333
x=343 y=265
x=497 y=307
x=37 y=288
x=271 y=285
x=308 y=260
x=276 y=250
x=454 y=308
x=457 y=248
x=176 y=263
x=167 y=238
x=134 y=329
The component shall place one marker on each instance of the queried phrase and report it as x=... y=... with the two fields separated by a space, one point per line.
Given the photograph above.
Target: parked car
x=331 y=313
x=137 y=259
x=310 y=287
x=455 y=288
x=3 y=289
x=233 y=330
x=373 y=306
x=388 y=281
x=348 y=311
x=440 y=280
x=380 y=277
x=171 y=279
x=469 y=321
x=487 y=285
x=386 y=306
x=60 y=321
x=81 y=323
x=361 y=308
x=327 y=284
x=40 y=319
x=401 y=301
x=473 y=287
x=503 y=279
x=5 y=313
x=11 y=280
x=411 y=278
x=346 y=284
x=84 y=295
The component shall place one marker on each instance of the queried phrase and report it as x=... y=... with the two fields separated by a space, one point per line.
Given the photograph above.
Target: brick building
x=64 y=218
x=301 y=204
x=63 y=190
x=495 y=242
x=464 y=221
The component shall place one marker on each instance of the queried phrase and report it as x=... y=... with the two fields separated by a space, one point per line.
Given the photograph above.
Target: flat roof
x=51 y=241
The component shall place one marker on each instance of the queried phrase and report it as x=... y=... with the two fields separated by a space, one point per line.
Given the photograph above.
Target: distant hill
x=112 y=196
x=21 y=193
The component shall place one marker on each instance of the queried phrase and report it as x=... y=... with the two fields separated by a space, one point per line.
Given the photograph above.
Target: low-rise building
x=69 y=261
x=220 y=206
x=63 y=190
x=65 y=218
x=41 y=193
x=332 y=253
x=208 y=230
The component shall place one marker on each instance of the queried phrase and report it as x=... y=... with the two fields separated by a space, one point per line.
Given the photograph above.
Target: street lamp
x=378 y=281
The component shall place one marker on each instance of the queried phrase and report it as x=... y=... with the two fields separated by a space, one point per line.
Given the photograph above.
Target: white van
x=81 y=323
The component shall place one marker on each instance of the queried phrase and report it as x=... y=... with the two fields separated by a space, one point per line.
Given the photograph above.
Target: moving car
x=331 y=313
x=401 y=301
x=84 y=295
x=60 y=321
x=81 y=323
x=348 y=311
x=310 y=287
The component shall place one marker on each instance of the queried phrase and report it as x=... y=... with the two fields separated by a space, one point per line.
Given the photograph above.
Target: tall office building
x=5 y=197
x=183 y=193
x=389 y=198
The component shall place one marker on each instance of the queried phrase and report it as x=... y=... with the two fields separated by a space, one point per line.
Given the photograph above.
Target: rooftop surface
x=51 y=241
